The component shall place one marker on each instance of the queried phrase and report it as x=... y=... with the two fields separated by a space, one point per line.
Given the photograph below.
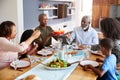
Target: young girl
x=33 y=46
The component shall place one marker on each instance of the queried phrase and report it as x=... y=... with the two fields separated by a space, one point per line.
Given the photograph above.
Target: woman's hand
x=36 y=34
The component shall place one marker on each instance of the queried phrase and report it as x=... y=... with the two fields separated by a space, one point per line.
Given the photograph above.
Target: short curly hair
x=6 y=28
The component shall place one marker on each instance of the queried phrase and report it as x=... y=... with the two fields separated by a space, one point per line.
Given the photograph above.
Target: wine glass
x=44 y=55
x=15 y=64
x=31 y=58
x=68 y=41
x=60 y=40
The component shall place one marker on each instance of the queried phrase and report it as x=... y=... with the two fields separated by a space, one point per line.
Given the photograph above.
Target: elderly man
x=84 y=34
x=46 y=32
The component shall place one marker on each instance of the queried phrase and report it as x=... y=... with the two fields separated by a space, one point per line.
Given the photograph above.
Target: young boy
x=108 y=68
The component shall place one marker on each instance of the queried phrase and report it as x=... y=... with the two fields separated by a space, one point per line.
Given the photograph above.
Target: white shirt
x=9 y=51
x=89 y=37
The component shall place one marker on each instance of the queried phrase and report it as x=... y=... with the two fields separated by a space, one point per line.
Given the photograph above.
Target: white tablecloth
x=46 y=74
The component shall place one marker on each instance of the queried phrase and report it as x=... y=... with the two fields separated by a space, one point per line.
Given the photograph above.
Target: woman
x=111 y=29
x=9 y=51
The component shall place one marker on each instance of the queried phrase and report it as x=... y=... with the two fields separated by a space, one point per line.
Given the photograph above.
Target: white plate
x=44 y=52
x=86 y=62
x=20 y=63
x=94 y=52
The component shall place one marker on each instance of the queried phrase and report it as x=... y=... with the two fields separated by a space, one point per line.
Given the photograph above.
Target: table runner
x=46 y=74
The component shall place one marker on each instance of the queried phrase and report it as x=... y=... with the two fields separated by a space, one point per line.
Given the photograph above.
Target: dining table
x=78 y=73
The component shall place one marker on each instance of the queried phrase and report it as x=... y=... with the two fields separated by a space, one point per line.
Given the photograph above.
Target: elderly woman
x=111 y=29
x=9 y=51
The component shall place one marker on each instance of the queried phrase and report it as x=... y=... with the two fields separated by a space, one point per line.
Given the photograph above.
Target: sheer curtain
x=83 y=7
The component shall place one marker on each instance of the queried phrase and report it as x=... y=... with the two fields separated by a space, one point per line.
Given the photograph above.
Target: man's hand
x=68 y=35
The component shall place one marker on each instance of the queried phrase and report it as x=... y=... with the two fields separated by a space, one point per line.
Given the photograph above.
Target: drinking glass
x=60 y=40
x=31 y=58
x=15 y=64
x=75 y=45
x=68 y=41
x=86 y=54
x=44 y=55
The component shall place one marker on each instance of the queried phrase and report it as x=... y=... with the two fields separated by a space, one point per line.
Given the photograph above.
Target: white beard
x=85 y=28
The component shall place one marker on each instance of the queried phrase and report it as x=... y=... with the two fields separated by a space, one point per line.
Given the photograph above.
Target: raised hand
x=36 y=34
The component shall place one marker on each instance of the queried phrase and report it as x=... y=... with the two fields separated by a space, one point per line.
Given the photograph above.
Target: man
x=46 y=32
x=84 y=34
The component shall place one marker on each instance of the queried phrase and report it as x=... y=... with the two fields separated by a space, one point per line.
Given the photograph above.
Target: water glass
x=44 y=56
x=31 y=58
x=87 y=46
x=61 y=54
x=86 y=54
x=68 y=41
x=75 y=45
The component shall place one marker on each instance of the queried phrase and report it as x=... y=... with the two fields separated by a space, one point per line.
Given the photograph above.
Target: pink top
x=9 y=51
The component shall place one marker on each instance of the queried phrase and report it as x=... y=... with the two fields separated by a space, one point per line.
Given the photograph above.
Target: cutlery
x=43 y=64
x=69 y=64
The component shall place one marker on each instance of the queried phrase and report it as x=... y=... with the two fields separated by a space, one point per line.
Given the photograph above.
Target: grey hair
x=87 y=17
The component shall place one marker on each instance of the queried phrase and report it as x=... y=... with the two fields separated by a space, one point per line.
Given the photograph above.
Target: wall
x=114 y=11
x=31 y=12
x=12 y=10
x=8 y=10
x=118 y=11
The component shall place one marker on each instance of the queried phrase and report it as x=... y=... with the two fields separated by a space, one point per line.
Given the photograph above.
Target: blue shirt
x=89 y=37
x=109 y=66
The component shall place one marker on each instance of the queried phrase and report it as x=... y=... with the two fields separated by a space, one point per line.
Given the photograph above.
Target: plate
x=44 y=52
x=86 y=62
x=57 y=64
x=94 y=52
x=20 y=63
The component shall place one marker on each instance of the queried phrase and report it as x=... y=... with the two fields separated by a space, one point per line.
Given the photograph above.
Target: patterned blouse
x=116 y=50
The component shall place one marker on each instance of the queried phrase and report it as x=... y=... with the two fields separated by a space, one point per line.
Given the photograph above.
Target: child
x=108 y=68
x=33 y=47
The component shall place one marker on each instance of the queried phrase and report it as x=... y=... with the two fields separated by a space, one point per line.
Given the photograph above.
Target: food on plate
x=81 y=47
x=72 y=52
x=57 y=63
x=32 y=77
